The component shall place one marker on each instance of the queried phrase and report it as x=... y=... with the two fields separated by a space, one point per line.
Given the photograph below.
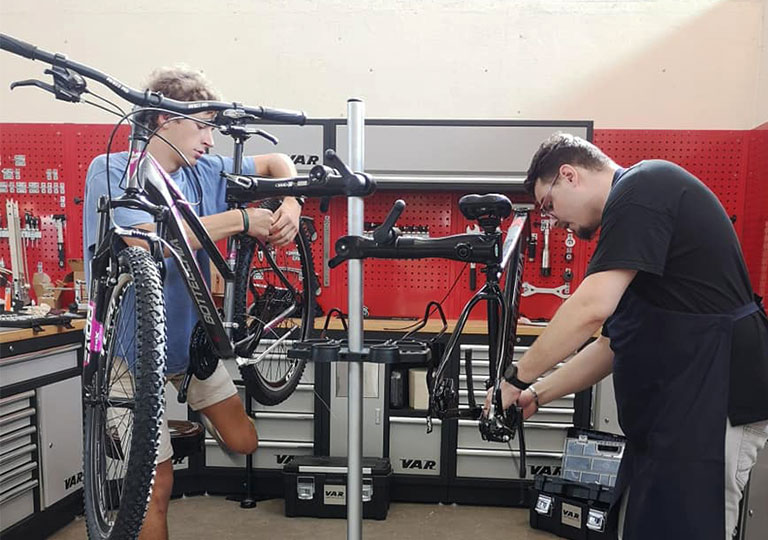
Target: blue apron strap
x=744 y=311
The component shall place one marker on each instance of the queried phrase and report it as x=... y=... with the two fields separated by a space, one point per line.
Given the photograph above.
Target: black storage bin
x=316 y=486
x=572 y=509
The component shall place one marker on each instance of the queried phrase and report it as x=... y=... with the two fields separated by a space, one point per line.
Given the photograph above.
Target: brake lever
x=34 y=82
x=266 y=135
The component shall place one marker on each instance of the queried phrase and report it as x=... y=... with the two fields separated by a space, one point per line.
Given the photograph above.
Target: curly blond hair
x=182 y=83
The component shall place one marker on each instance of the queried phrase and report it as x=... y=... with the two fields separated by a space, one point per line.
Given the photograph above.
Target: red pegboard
x=755 y=231
x=32 y=161
x=397 y=288
x=733 y=163
x=85 y=142
x=402 y=288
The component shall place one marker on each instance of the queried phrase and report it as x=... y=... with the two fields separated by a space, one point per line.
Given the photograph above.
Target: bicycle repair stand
x=355 y=210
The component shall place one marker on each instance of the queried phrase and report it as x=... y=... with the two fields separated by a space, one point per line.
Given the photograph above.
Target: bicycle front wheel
x=274 y=306
x=123 y=403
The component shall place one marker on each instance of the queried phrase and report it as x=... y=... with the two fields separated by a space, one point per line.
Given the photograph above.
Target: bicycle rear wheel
x=274 y=306
x=123 y=406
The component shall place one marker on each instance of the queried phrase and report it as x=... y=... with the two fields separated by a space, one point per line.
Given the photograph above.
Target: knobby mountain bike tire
x=122 y=417
x=260 y=295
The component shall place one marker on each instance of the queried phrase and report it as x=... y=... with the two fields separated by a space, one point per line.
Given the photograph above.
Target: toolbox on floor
x=316 y=486
x=576 y=505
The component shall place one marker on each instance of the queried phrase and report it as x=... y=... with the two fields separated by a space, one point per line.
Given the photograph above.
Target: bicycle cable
x=127 y=117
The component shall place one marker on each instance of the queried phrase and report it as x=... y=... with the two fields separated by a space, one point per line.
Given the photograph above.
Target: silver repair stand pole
x=356 y=128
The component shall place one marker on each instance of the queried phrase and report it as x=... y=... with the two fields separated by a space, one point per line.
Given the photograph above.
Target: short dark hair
x=562 y=148
x=182 y=83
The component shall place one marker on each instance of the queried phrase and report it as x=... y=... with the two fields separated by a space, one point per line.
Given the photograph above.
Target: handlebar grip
x=284 y=116
x=16 y=46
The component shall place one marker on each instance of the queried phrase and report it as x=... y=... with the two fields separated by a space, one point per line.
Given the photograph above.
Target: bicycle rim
x=122 y=419
x=270 y=292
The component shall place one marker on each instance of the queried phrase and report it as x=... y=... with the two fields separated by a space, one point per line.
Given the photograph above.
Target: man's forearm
x=592 y=364
x=577 y=319
x=572 y=325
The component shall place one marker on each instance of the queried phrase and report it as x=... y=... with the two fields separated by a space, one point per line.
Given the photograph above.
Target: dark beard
x=586 y=233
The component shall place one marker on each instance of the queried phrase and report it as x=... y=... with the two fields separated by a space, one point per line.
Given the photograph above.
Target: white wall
x=675 y=64
x=761 y=106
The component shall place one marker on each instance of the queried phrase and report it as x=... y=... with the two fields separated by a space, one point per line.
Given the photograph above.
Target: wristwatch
x=510 y=375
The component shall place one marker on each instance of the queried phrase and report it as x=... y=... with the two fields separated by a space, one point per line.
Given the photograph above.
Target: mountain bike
x=267 y=303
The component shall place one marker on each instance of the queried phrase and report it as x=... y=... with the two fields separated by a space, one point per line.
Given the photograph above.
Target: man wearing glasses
x=682 y=333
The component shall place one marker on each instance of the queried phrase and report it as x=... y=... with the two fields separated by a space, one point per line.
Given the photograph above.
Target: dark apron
x=671 y=374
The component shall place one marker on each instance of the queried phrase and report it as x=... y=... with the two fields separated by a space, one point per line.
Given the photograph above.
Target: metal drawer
x=412 y=450
x=16 y=462
x=17 y=504
x=15 y=421
x=23 y=367
x=269 y=455
x=15 y=403
x=15 y=477
x=17 y=439
x=25 y=452
x=283 y=426
x=301 y=401
x=504 y=463
x=539 y=437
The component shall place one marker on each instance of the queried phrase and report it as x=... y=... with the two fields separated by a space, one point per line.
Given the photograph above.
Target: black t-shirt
x=663 y=222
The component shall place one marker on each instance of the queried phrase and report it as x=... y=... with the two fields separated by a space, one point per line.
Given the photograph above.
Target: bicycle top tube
x=146 y=98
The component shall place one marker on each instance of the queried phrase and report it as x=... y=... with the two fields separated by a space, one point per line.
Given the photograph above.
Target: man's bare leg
x=155 y=525
x=233 y=425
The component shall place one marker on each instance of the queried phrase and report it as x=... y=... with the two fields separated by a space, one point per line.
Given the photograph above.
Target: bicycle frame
x=502 y=311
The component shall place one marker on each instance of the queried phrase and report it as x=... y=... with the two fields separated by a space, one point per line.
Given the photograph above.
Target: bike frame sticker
x=94 y=333
x=97 y=335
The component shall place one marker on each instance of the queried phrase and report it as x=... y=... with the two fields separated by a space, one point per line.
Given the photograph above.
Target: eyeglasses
x=546 y=207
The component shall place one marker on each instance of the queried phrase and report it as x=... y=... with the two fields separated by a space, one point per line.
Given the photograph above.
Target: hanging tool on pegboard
x=19 y=296
x=532 y=241
x=58 y=220
x=473 y=229
x=546 y=268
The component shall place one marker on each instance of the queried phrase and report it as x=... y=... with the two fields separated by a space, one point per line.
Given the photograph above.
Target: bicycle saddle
x=492 y=205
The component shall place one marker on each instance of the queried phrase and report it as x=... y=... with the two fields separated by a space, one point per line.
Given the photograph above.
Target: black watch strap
x=510 y=375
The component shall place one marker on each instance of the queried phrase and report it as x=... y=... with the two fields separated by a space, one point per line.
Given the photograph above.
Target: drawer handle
x=272 y=444
x=19 y=490
x=18 y=452
x=29 y=430
x=37 y=355
x=18 y=471
x=17 y=397
x=16 y=416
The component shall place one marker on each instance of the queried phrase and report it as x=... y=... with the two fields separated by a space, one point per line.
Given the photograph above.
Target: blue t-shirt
x=181 y=314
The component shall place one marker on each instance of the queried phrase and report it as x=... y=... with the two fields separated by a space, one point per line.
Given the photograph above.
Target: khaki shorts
x=201 y=394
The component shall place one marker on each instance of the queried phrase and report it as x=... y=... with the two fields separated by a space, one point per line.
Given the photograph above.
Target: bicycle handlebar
x=146 y=98
x=322 y=181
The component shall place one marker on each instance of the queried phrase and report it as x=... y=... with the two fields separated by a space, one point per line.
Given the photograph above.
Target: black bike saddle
x=492 y=205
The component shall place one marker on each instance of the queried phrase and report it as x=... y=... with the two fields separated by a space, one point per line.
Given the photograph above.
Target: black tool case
x=316 y=486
